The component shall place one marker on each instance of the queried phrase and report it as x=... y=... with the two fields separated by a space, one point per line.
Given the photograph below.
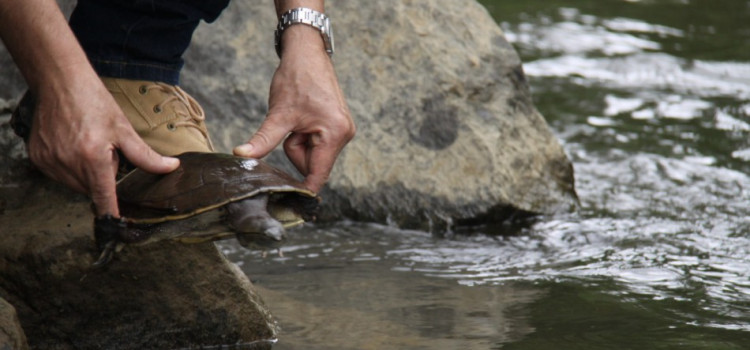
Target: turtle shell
x=203 y=182
x=186 y=204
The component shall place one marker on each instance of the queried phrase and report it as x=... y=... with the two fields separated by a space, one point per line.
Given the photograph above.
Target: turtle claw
x=107 y=230
x=106 y=256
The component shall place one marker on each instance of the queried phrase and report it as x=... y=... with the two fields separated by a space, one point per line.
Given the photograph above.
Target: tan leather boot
x=165 y=116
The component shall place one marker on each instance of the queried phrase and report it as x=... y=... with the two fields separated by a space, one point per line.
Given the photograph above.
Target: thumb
x=142 y=156
x=268 y=136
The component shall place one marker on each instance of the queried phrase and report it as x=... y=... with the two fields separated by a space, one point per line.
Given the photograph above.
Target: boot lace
x=193 y=118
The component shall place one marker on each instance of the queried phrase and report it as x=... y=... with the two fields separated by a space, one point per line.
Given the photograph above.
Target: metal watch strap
x=303 y=15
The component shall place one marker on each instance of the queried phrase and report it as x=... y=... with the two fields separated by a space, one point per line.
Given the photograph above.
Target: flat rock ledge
x=160 y=296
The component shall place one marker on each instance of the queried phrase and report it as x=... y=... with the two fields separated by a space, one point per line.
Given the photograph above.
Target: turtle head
x=250 y=217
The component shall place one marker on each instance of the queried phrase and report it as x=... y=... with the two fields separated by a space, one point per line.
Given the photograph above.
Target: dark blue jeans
x=140 y=39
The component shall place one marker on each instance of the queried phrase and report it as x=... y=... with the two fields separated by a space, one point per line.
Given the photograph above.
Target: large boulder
x=447 y=132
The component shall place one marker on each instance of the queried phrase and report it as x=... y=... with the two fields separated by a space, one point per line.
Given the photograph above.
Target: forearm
x=38 y=37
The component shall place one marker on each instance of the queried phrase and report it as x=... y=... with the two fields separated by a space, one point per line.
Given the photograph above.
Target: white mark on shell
x=249 y=164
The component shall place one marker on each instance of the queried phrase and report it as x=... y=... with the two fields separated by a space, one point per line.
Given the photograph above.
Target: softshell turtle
x=209 y=196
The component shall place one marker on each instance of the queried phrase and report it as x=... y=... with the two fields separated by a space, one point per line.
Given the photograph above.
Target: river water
x=651 y=100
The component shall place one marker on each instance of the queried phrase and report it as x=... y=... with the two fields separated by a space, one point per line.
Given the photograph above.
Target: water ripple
x=651 y=71
x=657 y=226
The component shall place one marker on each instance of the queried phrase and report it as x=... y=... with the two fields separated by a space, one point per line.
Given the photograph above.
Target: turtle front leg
x=107 y=232
x=111 y=234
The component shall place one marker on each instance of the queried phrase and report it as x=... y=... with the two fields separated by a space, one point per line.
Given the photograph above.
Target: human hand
x=77 y=126
x=307 y=107
x=76 y=131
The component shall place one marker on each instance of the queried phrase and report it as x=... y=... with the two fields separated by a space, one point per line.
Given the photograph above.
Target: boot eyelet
x=157 y=109
x=171 y=127
x=142 y=90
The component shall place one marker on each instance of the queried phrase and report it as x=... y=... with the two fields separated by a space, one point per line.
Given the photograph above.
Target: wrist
x=64 y=77
x=301 y=38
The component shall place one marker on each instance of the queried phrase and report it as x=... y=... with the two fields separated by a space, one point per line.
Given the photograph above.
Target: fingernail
x=171 y=161
x=245 y=149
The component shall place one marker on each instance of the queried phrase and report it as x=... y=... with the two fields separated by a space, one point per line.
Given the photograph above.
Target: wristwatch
x=303 y=15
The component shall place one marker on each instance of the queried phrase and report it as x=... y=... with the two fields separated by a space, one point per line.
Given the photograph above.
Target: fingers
x=142 y=156
x=313 y=157
x=319 y=166
x=295 y=148
x=269 y=135
x=306 y=104
x=65 y=177
x=102 y=187
x=85 y=159
x=76 y=131
x=91 y=172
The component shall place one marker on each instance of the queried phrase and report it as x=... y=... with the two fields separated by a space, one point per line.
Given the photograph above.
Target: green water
x=651 y=100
